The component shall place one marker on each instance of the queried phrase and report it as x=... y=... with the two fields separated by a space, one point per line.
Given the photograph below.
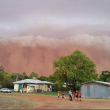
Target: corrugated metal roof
x=46 y=82
x=99 y=82
x=32 y=81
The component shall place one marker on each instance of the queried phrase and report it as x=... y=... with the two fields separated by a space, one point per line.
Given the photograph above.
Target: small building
x=95 y=89
x=32 y=85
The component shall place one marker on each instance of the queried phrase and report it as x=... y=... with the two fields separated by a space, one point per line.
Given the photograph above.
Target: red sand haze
x=36 y=54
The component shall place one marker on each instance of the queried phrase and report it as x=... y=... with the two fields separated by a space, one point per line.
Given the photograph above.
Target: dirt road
x=35 y=101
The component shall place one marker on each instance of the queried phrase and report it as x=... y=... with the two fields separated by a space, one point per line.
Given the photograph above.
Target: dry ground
x=35 y=101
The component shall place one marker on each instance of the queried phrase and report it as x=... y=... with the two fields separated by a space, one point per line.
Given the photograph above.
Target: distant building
x=95 y=89
x=32 y=85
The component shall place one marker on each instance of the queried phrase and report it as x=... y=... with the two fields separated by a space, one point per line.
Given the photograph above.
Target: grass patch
x=53 y=93
x=14 y=103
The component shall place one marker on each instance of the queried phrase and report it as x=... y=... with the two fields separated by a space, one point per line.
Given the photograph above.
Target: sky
x=33 y=33
x=54 y=18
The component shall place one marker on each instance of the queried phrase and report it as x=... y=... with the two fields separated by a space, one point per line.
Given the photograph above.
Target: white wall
x=16 y=87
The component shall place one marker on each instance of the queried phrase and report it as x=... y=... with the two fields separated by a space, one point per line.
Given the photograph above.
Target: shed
x=95 y=89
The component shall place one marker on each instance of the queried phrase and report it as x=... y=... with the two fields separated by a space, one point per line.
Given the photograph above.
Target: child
x=58 y=94
x=73 y=96
x=76 y=95
x=80 y=95
x=63 y=96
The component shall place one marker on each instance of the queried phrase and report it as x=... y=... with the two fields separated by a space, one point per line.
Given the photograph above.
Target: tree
x=33 y=74
x=43 y=78
x=17 y=76
x=105 y=76
x=24 y=75
x=2 y=73
x=7 y=76
x=75 y=69
x=52 y=78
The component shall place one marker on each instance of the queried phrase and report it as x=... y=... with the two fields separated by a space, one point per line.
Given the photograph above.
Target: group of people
x=72 y=95
x=63 y=95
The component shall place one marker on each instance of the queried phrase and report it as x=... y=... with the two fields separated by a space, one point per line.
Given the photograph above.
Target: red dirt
x=51 y=102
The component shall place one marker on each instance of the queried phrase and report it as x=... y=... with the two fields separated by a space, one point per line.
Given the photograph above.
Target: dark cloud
x=15 y=16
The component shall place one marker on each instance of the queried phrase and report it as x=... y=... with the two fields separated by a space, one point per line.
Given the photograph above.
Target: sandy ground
x=34 y=101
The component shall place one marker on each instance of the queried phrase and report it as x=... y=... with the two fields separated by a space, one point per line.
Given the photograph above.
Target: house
x=95 y=89
x=32 y=85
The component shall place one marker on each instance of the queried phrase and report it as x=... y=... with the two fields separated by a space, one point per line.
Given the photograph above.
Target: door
x=19 y=87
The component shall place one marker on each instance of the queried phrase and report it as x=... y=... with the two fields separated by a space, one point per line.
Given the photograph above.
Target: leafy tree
x=52 y=78
x=74 y=69
x=2 y=73
x=33 y=74
x=105 y=76
x=7 y=83
x=43 y=78
x=17 y=76
x=25 y=76
x=5 y=79
x=108 y=79
x=7 y=76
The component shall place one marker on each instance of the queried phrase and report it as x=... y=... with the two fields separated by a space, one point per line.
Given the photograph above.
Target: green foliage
x=74 y=69
x=43 y=78
x=6 y=79
x=67 y=88
x=2 y=73
x=59 y=86
x=25 y=76
x=55 y=88
x=52 y=78
x=54 y=93
x=7 y=83
x=17 y=76
x=33 y=74
x=105 y=76
x=7 y=76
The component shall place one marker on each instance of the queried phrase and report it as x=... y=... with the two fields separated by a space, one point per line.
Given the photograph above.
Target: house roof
x=32 y=81
x=31 y=85
x=98 y=82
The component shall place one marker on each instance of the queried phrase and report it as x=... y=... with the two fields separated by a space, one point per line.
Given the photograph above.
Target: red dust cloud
x=36 y=53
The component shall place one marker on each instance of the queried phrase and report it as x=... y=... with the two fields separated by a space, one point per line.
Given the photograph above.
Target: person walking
x=70 y=97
